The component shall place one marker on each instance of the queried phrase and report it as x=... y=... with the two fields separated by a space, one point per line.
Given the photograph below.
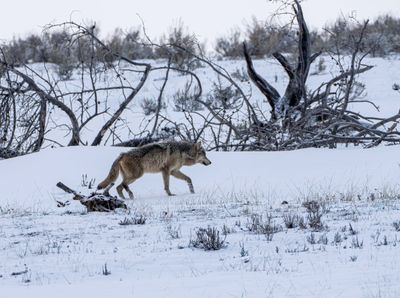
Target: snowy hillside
x=378 y=82
x=63 y=252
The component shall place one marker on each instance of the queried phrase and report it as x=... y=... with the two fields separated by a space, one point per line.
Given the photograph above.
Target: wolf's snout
x=207 y=162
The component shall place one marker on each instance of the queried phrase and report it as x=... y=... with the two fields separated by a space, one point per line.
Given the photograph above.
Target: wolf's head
x=199 y=154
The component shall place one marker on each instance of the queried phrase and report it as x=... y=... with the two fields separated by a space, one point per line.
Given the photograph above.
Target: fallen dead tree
x=100 y=202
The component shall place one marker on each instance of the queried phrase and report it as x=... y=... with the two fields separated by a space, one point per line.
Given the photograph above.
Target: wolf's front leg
x=179 y=175
x=165 y=174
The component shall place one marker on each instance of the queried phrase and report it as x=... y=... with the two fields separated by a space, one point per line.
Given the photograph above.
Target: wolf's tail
x=112 y=175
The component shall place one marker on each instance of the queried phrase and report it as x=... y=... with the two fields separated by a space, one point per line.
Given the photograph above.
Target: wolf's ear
x=197 y=146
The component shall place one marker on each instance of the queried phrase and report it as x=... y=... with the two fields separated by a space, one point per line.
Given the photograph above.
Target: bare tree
x=300 y=118
x=41 y=92
x=22 y=117
x=107 y=80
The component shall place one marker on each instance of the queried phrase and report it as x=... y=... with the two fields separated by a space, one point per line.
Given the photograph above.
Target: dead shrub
x=208 y=239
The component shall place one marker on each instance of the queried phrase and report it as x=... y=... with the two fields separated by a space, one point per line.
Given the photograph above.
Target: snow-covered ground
x=50 y=251
x=64 y=250
x=28 y=182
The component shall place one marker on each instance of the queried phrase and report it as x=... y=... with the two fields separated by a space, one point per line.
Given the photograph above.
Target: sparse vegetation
x=298 y=249
x=352 y=231
x=252 y=251
x=240 y=75
x=208 y=239
x=312 y=239
x=65 y=70
x=135 y=220
x=174 y=232
x=227 y=230
x=179 y=45
x=355 y=243
x=104 y=270
x=314 y=215
x=149 y=106
x=320 y=67
x=323 y=239
x=243 y=252
x=257 y=225
x=385 y=241
x=353 y=258
x=222 y=97
x=88 y=183
x=230 y=45
x=302 y=223
x=185 y=99
x=396 y=225
x=291 y=220
x=337 y=239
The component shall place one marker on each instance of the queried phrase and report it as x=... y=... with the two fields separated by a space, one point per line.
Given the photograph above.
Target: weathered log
x=100 y=202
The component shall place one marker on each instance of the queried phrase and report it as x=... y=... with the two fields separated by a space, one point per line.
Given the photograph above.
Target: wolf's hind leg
x=129 y=191
x=179 y=175
x=119 y=190
x=125 y=185
x=130 y=173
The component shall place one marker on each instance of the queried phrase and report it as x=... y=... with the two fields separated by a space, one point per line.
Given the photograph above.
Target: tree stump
x=95 y=202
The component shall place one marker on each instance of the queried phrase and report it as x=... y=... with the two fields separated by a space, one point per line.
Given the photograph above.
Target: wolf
x=164 y=157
